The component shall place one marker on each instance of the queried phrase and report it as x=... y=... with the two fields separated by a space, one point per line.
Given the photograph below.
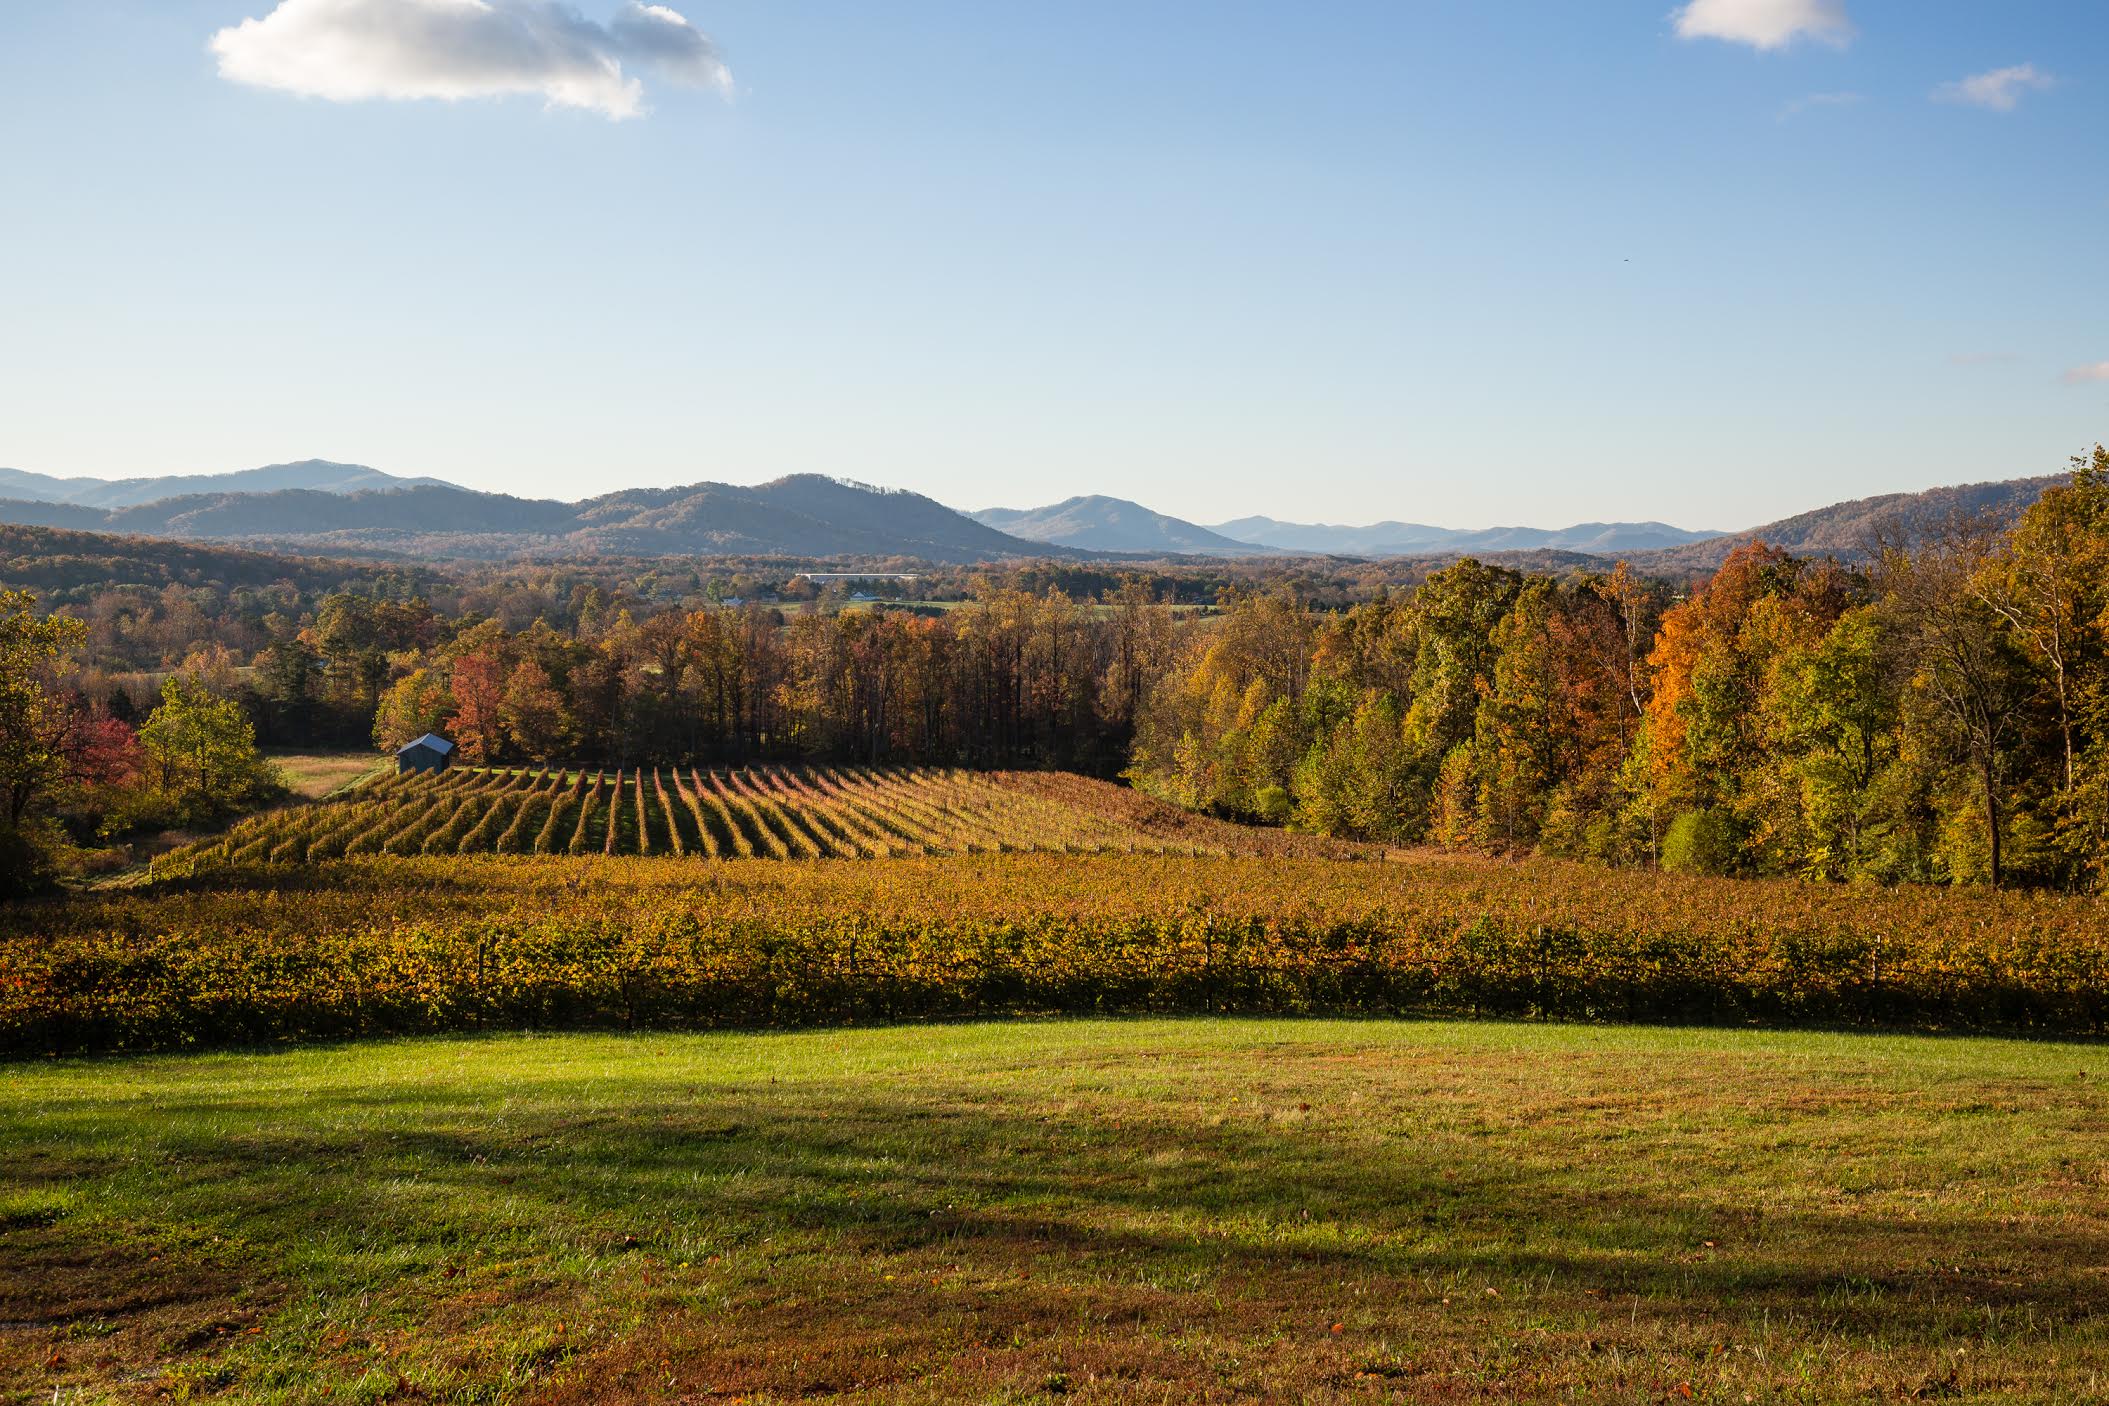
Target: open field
x=387 y=945
x=1188 y=1210
x=758 y=812
x=313 y=775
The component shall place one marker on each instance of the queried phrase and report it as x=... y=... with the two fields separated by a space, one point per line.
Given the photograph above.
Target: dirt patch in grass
x=1186 y=1211
x=80 y=1310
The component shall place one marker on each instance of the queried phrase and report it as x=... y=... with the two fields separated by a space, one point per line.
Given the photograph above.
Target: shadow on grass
x=1028 y=1213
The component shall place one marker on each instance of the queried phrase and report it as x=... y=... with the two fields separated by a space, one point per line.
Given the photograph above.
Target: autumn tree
x=34 y=718
x=2047 y=579
x=1961 y=667
x=414 y=705
x=533 y=713
x=1701 y=733
x=1225 y=724
x=477 y=686
x=1140 y=649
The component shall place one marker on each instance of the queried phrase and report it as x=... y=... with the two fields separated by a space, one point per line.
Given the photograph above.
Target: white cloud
x=1765 y=24
x=2000 y=90
x=349 y=50
x=2082 y=375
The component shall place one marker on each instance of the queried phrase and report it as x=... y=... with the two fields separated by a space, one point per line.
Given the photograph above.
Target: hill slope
x=1391 y=539
x=1096 y=523
x=64 y=566
x=1846 y=530
x=805 y=515
x=315 y=475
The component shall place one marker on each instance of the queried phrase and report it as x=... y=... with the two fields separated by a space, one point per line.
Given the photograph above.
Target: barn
x=428 y=753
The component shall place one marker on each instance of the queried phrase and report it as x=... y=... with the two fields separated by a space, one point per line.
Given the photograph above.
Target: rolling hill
x=1847 y=530
x=805 y=515
x=1395 y=539
x=321 y=508
x=315 y=475
x=61 y=566
x=1095 y=523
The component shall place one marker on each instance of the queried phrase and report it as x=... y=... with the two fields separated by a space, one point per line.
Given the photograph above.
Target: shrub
x=1272 y=804
x=1700 y=842
x=25 y=863
x=395 y=946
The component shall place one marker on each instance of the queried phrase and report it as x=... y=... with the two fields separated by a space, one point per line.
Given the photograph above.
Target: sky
x=1467 y=262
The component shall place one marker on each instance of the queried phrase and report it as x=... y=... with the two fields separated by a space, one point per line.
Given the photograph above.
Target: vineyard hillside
x=755 y=812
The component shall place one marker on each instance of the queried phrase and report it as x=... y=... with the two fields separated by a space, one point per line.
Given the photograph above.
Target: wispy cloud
x=349 y=50
x=2086 y=375
x=1765 y=24
x=1810 y=102
x=2000 y=90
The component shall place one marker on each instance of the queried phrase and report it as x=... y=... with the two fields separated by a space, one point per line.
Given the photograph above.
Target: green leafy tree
x=34 y=719
x=288 y=676
x=1359 y=778
x=1227 y=722
x=1456 y=612
x=201 y=749
x=2048 y=581
x=1828 y=717
x=1520 y=726
x=1700 y=842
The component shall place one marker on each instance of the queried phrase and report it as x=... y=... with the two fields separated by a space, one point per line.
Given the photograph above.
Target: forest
x=1941 y=714
x=1936 y=711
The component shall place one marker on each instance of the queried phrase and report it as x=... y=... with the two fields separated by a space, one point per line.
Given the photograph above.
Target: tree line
x=1941 y=714
x=1938 y=714
x=71 y=774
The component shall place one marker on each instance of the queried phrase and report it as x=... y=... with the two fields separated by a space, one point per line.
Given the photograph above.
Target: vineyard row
x=764 y=812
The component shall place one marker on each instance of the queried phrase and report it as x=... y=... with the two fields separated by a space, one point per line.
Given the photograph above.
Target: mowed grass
x=1149 y=1210
x=313 y=775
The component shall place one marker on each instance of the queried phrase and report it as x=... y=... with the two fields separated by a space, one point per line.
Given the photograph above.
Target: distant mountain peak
x=808 y=516
x=1094 y=522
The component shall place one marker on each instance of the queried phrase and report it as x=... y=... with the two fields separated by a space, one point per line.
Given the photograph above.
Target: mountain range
x=319 y=506
x=1100 y=524
x=320 y=475
x=805 y=515
x=1396 y=539
x=1846 y=530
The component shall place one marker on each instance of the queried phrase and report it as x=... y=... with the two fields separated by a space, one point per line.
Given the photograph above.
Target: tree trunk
x=1992 y=820
x=2065 y=731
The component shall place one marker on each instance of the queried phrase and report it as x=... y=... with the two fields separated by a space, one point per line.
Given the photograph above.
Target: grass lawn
x=313 y=775
x=1160 y=1210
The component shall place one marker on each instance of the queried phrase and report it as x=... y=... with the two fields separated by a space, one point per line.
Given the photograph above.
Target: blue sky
x=1462 y=262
